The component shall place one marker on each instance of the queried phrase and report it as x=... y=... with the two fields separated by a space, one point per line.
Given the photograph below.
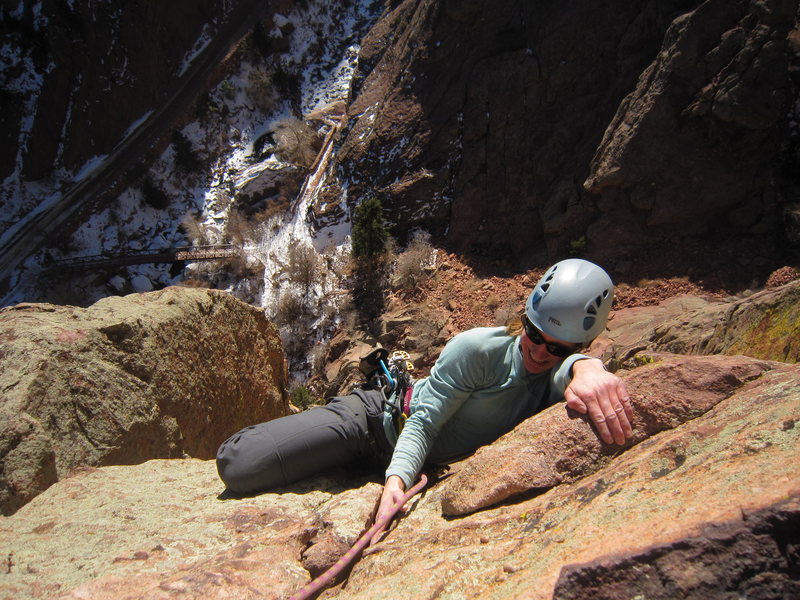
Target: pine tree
x=369 y=252
x=369 y=231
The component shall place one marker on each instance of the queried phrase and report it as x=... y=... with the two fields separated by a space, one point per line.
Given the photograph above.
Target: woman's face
x=536 y=357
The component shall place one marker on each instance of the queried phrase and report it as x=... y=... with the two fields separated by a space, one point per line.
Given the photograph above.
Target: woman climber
x=485 y=382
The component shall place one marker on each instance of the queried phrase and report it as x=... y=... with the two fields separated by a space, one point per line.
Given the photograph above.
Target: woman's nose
x=540 y=352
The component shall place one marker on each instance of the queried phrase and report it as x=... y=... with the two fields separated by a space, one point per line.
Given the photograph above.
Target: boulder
x=707 y=508
x=156 y=375
x=725 y=471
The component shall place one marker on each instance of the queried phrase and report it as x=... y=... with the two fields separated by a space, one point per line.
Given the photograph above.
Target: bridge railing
x=141 y=257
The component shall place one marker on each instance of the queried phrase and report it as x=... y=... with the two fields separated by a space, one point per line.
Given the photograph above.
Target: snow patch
x=137 y=123
x=323 y=52
x=202 y=42
x=89 y=167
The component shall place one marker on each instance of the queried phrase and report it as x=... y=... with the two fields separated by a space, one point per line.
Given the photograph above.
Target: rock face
x=747 y=556
x=718 y=85
x=764 y=325
x=522 y=461
x=709 y=508
x=513 y=129
x=157 y=375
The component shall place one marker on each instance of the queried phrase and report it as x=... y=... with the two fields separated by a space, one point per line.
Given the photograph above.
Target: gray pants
x=279 y=452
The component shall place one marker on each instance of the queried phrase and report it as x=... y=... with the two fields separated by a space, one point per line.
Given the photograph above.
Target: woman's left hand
x=393 y=491
x=604 y=397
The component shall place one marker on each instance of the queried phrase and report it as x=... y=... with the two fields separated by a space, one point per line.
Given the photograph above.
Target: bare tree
x=414 y=265
x=297 y=142
x=194 y=230
x=305 y=267
x=238 y=230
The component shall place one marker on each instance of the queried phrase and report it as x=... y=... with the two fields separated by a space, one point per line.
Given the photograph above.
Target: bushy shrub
x=261 y=41
x=370 y=237
x=261 y=91
x=290 y=308
x=286 y=81
x=414 y=264
x=186 y=158
x=153 y=195
x=227 y=89
x=577 y=247
x=369 y=251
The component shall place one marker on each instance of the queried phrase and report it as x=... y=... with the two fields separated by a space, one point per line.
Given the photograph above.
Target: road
x=28 y=235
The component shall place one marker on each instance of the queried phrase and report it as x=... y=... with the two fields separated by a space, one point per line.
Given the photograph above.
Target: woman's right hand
x=393 y=491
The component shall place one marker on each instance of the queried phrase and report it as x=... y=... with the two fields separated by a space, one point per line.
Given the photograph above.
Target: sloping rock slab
x=764 y=325
x=666 y=392
x=740 y=458
x=160 y=530
x=156 y=375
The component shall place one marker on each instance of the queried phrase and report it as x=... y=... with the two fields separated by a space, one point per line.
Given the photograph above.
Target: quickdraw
x=328 y=576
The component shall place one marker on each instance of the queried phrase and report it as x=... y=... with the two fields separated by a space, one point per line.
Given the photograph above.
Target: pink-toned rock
x=342 y=521
x=748 y=554
x=161 y=530
x=555 y=447
x=738 y=460
x=145 y=376
x=764 y=325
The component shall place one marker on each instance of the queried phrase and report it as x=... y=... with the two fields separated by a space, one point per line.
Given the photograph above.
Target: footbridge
x=141 y=257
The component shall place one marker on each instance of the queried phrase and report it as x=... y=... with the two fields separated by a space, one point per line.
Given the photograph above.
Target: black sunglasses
x=535 y=336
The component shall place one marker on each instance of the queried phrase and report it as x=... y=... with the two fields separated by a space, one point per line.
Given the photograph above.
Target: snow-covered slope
x=322 y=48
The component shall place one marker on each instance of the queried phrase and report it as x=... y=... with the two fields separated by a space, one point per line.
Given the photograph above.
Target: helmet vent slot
x=536 y=297
x=545 y=287
x=591 y=310
x=588 y=322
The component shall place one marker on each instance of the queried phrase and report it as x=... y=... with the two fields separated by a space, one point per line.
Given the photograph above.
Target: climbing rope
x=329 y=575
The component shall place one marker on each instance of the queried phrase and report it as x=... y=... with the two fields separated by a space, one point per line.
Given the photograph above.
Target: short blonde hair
x=515 y=326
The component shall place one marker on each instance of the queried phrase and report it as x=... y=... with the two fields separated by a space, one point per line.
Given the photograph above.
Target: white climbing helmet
x=571 y=302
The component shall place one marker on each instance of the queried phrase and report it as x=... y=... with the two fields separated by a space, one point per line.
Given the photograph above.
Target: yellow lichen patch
x=774 y=336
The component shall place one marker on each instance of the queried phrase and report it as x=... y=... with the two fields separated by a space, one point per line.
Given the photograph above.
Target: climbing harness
x=391 y=374
x=328 y=576
x=397 y=398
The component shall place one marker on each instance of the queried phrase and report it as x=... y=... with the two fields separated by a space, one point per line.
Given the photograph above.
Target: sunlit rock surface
x=157 y=375
x=162 y=528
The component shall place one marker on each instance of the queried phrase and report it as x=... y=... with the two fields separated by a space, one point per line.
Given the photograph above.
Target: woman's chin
x=536 y=367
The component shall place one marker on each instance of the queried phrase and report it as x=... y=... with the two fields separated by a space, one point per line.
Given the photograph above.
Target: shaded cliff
x=100 y=68
x=512 y=130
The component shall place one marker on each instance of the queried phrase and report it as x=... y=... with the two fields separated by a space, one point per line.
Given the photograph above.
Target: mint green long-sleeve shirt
x=478 y=390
